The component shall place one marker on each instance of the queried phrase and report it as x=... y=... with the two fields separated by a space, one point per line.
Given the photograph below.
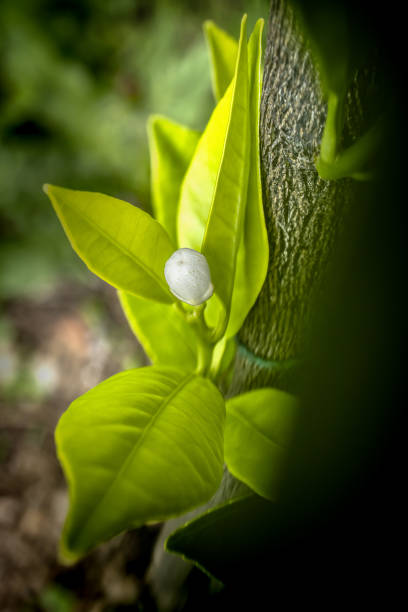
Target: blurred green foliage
x=78 y=79
x=57 y=599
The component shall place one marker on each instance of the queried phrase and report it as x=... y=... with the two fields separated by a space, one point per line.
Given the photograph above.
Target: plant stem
x=333 y=128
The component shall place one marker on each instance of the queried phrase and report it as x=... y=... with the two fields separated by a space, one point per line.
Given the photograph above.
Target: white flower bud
x=188 y=276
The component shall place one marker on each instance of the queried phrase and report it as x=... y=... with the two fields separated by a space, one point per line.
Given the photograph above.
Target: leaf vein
x=134 y=450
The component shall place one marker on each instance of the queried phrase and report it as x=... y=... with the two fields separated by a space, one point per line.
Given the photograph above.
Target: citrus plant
x=150 y=443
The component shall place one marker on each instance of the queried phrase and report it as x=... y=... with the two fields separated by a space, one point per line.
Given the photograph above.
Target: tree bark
x=303 y=212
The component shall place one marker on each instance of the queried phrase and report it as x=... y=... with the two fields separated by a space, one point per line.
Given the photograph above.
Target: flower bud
x=188 y=276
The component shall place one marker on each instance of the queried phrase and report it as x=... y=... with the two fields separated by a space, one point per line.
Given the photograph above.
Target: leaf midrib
x=119 y=246
x=240 y=417
x=135 y=448
x=222 y=325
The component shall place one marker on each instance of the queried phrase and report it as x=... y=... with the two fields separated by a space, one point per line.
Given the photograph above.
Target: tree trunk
x=303 y=212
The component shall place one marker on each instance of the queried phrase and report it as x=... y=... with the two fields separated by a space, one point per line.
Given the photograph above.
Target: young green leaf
x=225 y=536
x=171 y=148
x=144 y=445
x=164 y=333
x=224 y=225
x=200 y=180
x=119 y=242
x=223 y=51
x=223 y=358
x=200 y=184
x=358 y=160
x=253 y=252
x=214 y=189
x=261 y=422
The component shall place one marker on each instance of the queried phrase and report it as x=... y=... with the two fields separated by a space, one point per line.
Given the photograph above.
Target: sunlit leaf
x=171 y=148
x=253 y=252
x=164 y=333
x=223 y=51
x=258 y=431
x=224 y=225
x=199 y=182
x=214 y=189
x=119 y=242
x=223 y=358
x=144 y=445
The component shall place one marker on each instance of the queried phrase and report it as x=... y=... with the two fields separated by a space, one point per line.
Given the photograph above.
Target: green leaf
x=214 y=189
x=223 y=50
x=224 y=537
x=224 y=225
x=164 y=333
x=171 y=148
x=119 y=242
x=253 y=252
x=144 y=445
x=201 y=177
x=358 y=160
x=200 y=184
x=223 y=359
x=258 y=431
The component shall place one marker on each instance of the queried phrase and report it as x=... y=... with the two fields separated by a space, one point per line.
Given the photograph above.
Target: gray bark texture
x=303 y=212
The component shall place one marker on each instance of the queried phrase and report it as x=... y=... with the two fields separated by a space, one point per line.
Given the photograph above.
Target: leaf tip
x=243 y=29
x=260 y=24
x=50 y=190
x=207 y=25
x=152 y=120
x=66 y=557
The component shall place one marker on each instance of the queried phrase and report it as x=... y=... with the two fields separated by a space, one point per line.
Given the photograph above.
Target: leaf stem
x=354 y=161
x=332 y=128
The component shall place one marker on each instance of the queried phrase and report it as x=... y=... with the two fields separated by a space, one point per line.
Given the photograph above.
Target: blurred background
x=78 y=79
